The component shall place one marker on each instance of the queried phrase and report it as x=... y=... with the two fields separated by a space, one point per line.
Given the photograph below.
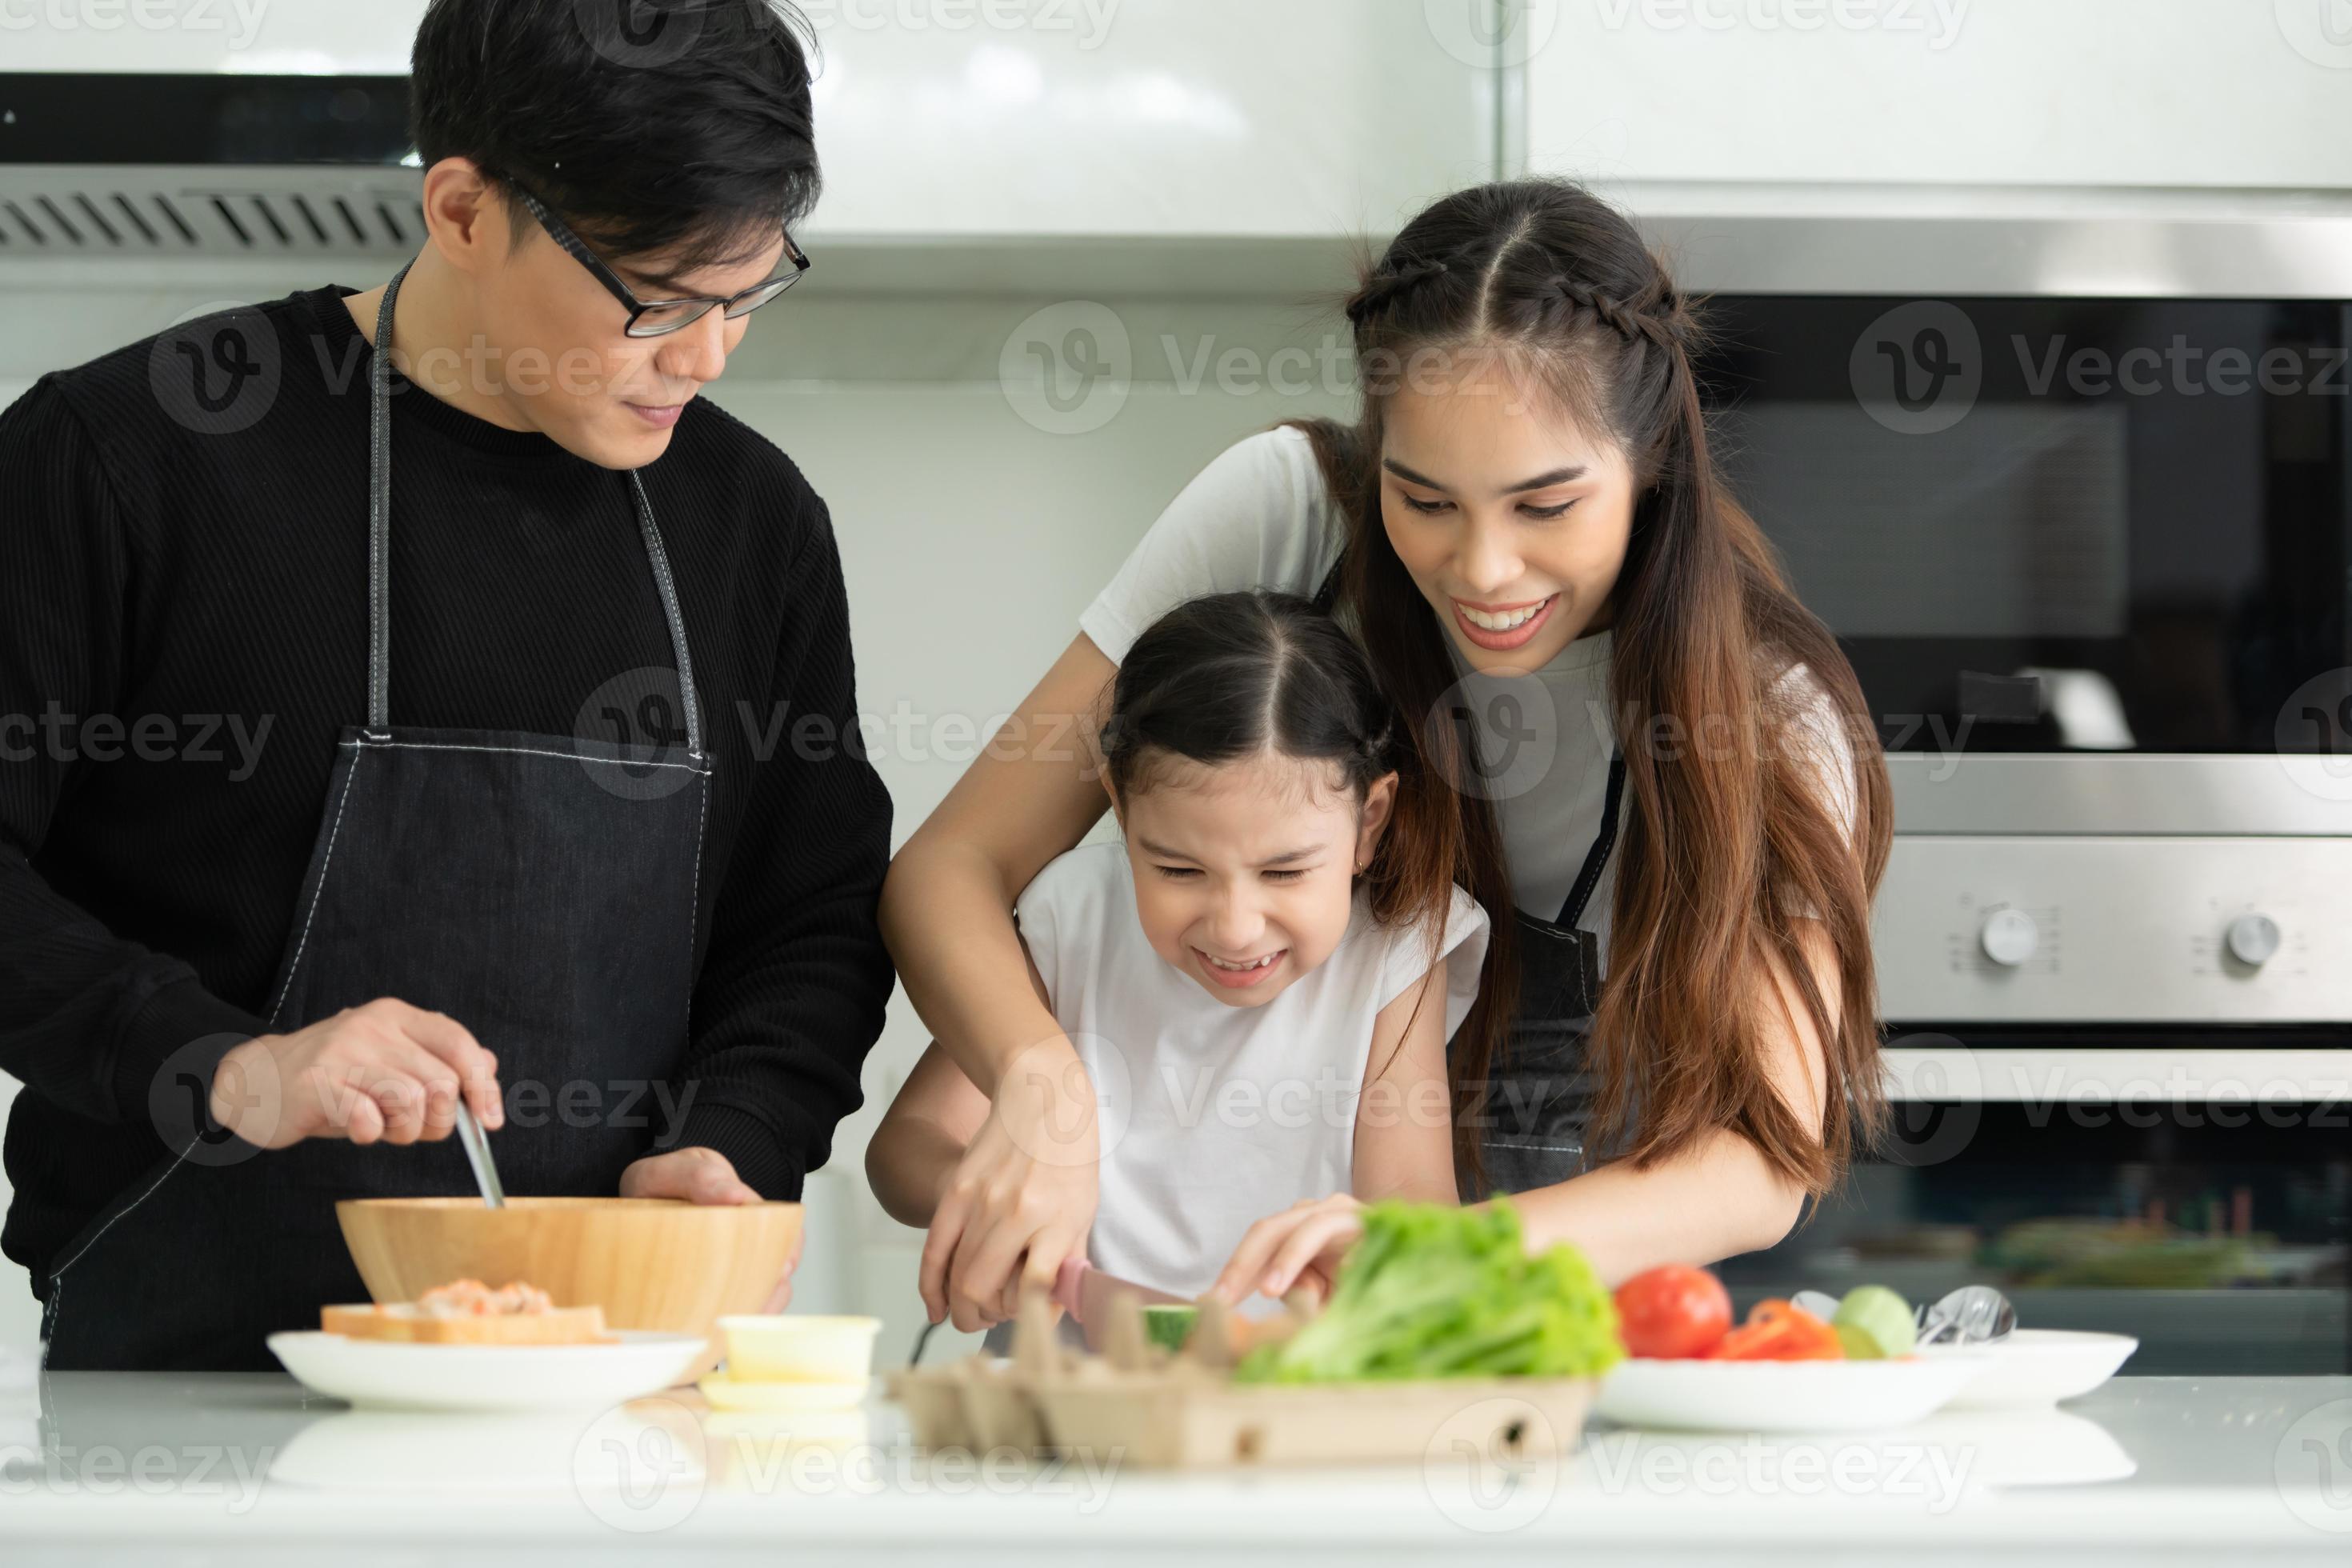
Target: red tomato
x=1674 y=1311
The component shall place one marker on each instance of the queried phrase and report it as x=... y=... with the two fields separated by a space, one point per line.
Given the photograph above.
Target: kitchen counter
x=157 y=1468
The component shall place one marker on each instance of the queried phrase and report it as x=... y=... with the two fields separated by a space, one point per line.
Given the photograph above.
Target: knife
x=1087 y=1293
x=477 y=1154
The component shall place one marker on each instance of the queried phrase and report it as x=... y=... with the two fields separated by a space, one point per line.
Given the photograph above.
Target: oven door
x=2059 y=525
x=2186 y=1186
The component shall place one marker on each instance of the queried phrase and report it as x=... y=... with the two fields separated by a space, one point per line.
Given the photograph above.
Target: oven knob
x=2253 y=939
x=2009 y=937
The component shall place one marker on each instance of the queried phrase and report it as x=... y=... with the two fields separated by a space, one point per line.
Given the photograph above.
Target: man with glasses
x=454 y=713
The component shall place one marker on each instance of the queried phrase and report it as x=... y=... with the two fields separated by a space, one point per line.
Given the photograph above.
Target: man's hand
x=697 y=1174
x=383 y=1071
x=700 y=1175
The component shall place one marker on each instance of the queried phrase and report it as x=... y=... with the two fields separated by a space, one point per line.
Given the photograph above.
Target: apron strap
x=1598 y=855
x=380 y=542
x=379 y=510
x=667 y=586
x=1327 y=594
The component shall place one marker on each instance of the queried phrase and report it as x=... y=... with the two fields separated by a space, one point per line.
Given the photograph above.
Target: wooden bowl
x=651 y=1263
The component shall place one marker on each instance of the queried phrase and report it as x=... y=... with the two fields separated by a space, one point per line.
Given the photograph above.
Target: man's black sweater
x=184 y=635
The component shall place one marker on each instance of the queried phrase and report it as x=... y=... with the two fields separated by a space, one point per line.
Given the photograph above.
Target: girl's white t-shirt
x=1213 y=1116
x=1260 y=516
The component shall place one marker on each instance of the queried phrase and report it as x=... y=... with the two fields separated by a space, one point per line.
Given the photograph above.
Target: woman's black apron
x=1539 y=1098
x=1539 y=1095
x=541 y=889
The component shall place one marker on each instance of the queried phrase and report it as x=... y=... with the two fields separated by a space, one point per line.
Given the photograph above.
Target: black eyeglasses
x=659 y=318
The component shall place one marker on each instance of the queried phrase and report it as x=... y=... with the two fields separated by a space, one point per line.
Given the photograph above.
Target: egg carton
x=1138 y=1403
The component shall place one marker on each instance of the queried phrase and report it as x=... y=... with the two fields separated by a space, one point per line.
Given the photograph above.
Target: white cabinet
x=367 y=37
x=1242 y=118
x=964 y=119
x=2067 y=92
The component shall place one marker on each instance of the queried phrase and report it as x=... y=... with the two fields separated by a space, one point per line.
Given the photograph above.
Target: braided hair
x=1658 y=313
x=1509 y=290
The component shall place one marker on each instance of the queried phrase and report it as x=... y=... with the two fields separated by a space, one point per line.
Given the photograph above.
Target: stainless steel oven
x=2069 y=475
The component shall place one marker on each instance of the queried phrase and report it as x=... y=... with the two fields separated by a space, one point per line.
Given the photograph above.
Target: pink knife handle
x=1066 y=1291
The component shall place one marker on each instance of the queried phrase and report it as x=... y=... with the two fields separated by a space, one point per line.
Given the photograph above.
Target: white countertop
x=154 y=1468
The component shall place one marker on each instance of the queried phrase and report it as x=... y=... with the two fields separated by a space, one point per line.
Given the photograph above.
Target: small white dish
x=389 y=1376
x=2032 y=1369
x=793 y=1347
x=1781 y=1395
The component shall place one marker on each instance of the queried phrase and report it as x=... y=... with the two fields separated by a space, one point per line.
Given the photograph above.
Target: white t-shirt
x=1260 y=516
x=1212 y=1117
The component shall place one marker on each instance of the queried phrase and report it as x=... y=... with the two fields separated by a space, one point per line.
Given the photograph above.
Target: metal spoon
x=477 y=1154
x=1971 y=1315
x=1819 y=1303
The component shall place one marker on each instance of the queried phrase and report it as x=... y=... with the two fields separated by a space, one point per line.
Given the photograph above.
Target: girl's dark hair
x=1733 y=833
x=674 y=127
x=1234 y=676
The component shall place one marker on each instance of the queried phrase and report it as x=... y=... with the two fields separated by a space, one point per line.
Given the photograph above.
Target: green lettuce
x=1432 y=1291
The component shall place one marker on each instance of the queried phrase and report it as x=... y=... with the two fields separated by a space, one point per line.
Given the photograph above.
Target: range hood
x=156 y=165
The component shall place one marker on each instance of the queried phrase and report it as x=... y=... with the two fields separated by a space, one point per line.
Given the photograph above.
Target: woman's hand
x=1022 y=1197
x=1302 y=1246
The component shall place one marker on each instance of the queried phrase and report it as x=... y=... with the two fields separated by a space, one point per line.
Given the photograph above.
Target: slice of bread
x=407 y=1322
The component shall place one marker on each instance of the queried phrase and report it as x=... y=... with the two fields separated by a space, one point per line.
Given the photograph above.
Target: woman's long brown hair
x=1734 y=831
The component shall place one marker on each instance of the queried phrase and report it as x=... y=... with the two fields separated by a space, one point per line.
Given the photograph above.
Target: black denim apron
x=1539 y=1094
x=541 y=889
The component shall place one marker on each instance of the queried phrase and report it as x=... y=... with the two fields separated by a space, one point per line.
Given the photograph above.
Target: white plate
x=2034 y=1368
x=1781 y=1395
x=387 y=1374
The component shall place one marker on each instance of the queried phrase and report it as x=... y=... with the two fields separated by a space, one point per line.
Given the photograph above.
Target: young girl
x=1260 y=978
x=1673 y=782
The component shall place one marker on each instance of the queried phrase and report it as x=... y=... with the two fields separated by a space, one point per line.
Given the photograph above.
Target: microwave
x=2069 y=476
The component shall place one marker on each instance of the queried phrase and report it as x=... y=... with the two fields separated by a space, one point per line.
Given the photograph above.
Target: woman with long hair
x=1647 y=750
